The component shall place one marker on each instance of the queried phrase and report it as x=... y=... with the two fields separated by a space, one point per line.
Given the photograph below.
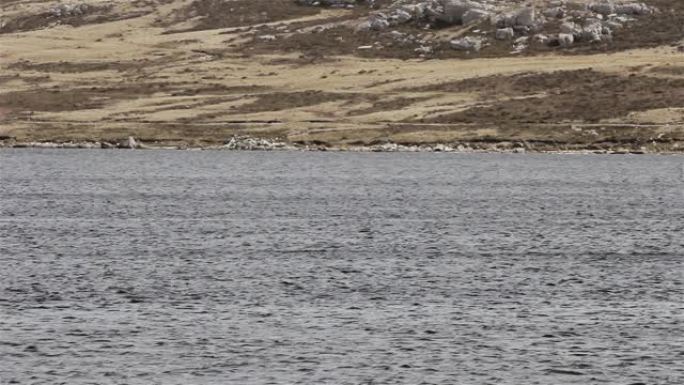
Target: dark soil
x=663 y=28
x=215 y=14
x=279 y=101
x=334 y=42
x=95 y=15
x=387 y=105
x=668 y=70
x=69 y=67
x=583 y=95
x=55 y=99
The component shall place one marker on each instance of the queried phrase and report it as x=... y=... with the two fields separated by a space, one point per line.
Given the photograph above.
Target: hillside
x=485 y=74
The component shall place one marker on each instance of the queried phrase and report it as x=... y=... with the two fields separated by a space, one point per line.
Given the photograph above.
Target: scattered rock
x=474 y=16
x=565 y=39
x=66 y=10
x=467 y=43
x=328 y=3
x=129 y=143
x=592 y=22
x=247 y=143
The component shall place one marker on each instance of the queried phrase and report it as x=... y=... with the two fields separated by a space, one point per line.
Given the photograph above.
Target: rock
x=592 y=31
x=423 y=50
x=255 y=144
x=570 y=28
x=525 y=17
x=364 y=26
x=129 y=143
x=541 y=39
x=328 y=3
x=612 y=25
x=386 y=147
x=505 y=33
x=379 y=22
x=633 y=9
x=603 y=8
x=66 y=10
x=396 y=35
x=565 y=39
x=442 y=148
x=400 y=16
x=467 y=43
x=474 y=15
x=574 y=4
x=453 y=11
x=520 y=44
x=505 y=20
x=555 y=12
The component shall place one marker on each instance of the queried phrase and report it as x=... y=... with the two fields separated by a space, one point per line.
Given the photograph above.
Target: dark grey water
x=126 y=267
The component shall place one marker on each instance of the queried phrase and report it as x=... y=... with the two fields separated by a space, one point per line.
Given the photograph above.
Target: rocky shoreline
x=246 y=143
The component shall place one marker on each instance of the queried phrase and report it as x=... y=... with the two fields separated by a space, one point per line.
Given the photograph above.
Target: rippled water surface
x=153 y=267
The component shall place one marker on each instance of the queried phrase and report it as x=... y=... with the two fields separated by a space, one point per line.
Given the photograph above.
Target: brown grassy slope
x=120 y=77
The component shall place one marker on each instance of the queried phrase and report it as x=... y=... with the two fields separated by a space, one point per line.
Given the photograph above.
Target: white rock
x=400 y=16
x=555 y=12
x=454 y=10
x=378 y=23
x=592 y=31
x=467 y=43
x=130 y=143
x=541 y=39
x=566 y=39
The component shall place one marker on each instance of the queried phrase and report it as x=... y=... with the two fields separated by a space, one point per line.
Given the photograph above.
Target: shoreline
x=266 y=145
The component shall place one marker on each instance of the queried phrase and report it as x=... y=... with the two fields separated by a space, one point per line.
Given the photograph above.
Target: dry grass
x=117 y=77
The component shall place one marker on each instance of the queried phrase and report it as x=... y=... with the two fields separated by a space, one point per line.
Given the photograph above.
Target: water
x=154 y=267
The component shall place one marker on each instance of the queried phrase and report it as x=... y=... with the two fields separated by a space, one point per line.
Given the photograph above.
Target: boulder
x=525 y=17
x=565 y=39
x=66 y=10
x=633 y=9
x=129 y=143
x=328 y=3
x=603 y=8
x=570 y=28
x=541 y=39
x=505 y=33
x=474 y=15
x=400 y=16
x=505 y=20
x=592 y=31
x=612 y=25
x=467 y=43
x=377 y=22
x=453 y=11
